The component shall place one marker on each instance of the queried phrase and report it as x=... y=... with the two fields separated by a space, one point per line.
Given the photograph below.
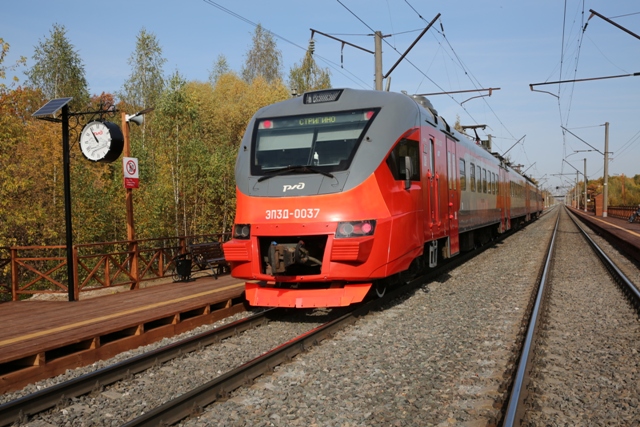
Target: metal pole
x=576 y=192
x=585 y=184
x=378 y=60
x=412 y=45
x=605 y=191
x=67 y=203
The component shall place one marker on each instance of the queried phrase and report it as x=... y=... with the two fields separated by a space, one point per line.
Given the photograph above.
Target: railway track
x=578 y=362
x=192 y=401
x=21 y=409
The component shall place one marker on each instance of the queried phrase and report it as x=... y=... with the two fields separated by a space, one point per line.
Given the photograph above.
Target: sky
x=474 y=44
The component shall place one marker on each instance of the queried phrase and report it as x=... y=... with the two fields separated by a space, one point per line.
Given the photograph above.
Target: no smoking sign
x=130 y=169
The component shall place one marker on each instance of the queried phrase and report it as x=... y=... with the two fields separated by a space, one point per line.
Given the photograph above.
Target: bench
x=208 y=255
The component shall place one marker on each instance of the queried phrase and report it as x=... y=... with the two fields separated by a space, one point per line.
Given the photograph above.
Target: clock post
x=131 y=234
x=48 y=112
x=137 y=118
x=100 y=141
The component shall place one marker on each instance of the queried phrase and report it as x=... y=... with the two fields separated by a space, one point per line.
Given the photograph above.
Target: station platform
x=625 y=236
x=41 y=339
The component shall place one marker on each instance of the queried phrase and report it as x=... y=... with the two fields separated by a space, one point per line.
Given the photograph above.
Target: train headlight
x=355 y=228
x=241 y=231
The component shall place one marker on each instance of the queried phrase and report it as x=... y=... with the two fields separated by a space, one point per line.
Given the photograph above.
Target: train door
x=432 y=221
x=405 y=204
x=453 y=202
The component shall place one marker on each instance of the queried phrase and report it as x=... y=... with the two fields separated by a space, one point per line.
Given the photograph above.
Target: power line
x=333 y=65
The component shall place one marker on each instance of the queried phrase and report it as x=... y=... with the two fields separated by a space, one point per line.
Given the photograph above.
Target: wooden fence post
x=134 y=265
x=14 y=274
x=74 y=271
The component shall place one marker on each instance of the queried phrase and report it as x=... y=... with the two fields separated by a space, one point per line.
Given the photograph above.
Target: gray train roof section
x=398 y=113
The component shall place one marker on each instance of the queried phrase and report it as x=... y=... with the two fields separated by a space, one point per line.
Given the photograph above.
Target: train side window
x=463 y=178
x=395 y=161
x=432 y=159
x=484 y=180
x=472 y=176
x=479 y=175
x=493 y=183
x=451 y=170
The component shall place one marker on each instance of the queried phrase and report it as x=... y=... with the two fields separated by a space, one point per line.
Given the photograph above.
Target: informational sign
x=130 y=169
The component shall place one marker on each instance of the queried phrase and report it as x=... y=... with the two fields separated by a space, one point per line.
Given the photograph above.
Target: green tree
x=177 y=128
x=263 y=59
x=307 y=75
x=4 y=51
x=220 y=67
x=146 y=81
x=58 y=70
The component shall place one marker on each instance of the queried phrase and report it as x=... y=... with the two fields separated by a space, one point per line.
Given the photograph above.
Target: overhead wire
x=330 y=63
x=474 y=81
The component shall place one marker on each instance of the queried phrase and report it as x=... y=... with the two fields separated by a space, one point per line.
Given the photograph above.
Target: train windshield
x=326 y=142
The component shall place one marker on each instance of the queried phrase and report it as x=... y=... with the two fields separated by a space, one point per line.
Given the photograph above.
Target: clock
x=101 y=141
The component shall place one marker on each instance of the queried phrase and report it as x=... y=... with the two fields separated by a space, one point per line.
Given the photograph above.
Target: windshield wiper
x=299 y=168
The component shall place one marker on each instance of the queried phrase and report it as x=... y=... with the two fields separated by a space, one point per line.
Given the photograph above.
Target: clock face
x=101 y=141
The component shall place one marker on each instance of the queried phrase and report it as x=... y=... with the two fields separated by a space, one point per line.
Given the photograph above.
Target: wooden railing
x=623 y=212
x=5 y=273
x=43 y=269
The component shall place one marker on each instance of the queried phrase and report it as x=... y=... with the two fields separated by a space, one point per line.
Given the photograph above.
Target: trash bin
x=183 y=268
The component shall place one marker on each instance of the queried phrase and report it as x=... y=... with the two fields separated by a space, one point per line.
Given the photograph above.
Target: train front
x=312 y=227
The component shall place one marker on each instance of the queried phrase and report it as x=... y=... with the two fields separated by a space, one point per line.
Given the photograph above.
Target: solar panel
x=52 y=107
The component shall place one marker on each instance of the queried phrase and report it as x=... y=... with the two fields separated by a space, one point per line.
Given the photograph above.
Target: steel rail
x=618 y=276
x=20 y=409
x=192 y=403
x=515 y=408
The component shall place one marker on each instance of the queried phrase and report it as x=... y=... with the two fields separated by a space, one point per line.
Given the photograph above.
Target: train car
x=343 y=192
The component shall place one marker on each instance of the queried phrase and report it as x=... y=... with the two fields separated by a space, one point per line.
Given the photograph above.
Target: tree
x=4 y=50
x=308 y=76
x=263 y=58
x=220 y=67
x=146 y=82
x=178 y=131
x=58 y=70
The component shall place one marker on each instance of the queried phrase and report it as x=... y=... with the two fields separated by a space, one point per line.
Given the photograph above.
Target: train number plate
x=308 y=213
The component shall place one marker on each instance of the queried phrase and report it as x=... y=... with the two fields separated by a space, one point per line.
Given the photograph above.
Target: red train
x=341 y=192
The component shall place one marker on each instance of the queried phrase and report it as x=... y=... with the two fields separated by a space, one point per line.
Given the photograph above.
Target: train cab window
x=472 y=176
x=396 y=164
x=463 y=178
x=327 y=141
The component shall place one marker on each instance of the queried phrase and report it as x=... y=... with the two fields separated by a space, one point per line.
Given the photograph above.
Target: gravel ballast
x=587 y=364
x=441 y=357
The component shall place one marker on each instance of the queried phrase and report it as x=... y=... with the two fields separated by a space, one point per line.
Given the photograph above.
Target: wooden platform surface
x=31 y=327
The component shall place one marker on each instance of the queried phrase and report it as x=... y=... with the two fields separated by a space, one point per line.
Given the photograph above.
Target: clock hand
x=94 y=135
